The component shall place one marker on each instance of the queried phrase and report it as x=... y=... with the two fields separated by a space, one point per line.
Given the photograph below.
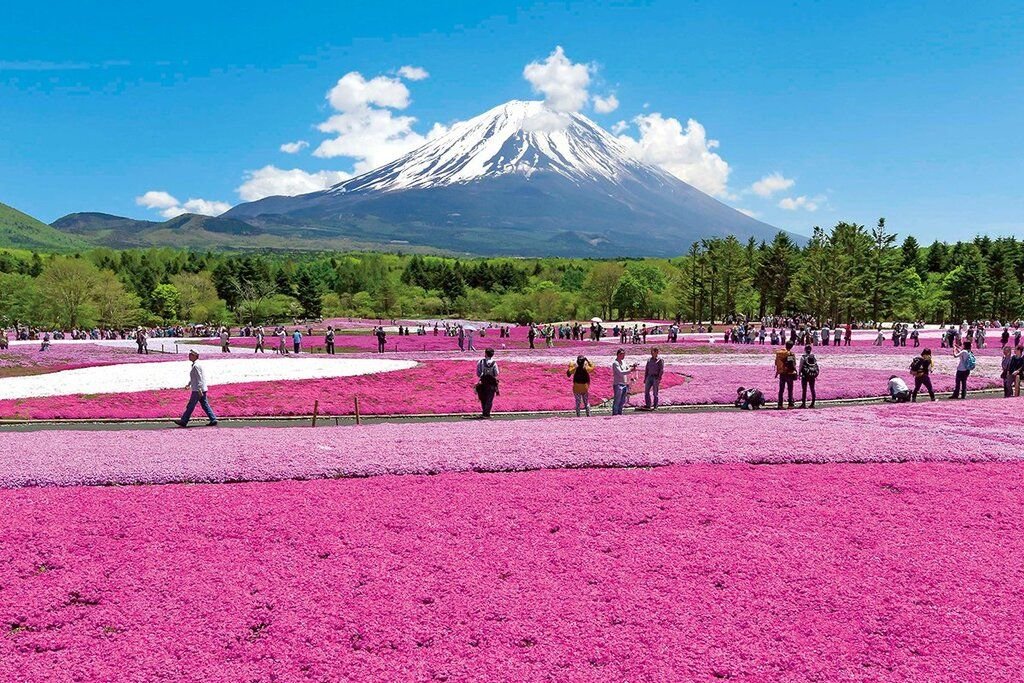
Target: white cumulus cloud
x=413 y=73
x=620 y=127
x=684 y=152
x=606 y=105
x=802 y=202
x=294 y=147
x=365 y=127
x=770 y=184
x=352 y=92
x=546 y=122
x=271 y=181
x=563 y=83
x=157 y=199
x=169 y=206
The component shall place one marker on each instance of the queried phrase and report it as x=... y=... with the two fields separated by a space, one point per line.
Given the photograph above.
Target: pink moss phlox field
x=430 y=388
x=28 y=359
x=791 y=573
x=946 y=431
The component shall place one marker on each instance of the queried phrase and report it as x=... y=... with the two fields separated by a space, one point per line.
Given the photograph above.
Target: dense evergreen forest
x=849 y=272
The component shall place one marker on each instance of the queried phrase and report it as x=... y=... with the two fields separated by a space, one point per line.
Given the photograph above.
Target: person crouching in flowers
x=580 y=374
x=487 y=386
x=197 y=383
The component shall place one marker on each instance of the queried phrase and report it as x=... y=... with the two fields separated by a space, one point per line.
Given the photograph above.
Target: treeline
x=846 y=273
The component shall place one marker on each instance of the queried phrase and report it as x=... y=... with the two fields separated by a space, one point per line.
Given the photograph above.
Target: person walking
x=329 y=340
x=1007 y=372
x=786 y=370
x=580 y=374
x=848 y=335
x=653 y=372
x=470 y=333
x=259 y=341
x=382 y=338
x=1017 y=368
x=532 y=335
x=620 y=381
x=297 y=341
x=487 y=384
x=965 y=363
x=809 y=369
x=197 y=383
x=282 y=345
x=462 y=338
x=921 y=369
x=225 y=340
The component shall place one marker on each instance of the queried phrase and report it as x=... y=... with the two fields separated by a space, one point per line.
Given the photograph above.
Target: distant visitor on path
x=965 y=363
x=921 y=369
x=382 y=339
x=197 y=383
x=620 y=381
x=487 y=384
x=809 y=369
x=786 y=371
x=749 y=399
x=329 y=340
x=653 y=372
x=580 y=374
x=297 y=341
x=898 y=390
x=225 y=340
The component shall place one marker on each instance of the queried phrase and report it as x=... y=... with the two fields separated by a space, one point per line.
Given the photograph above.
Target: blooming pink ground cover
x=362 y=343
x=703 y=572
x=962 y=431
x=432 y=387
x=28 y=359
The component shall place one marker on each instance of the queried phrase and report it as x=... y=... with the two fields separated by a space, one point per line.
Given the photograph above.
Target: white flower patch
x=175 y=375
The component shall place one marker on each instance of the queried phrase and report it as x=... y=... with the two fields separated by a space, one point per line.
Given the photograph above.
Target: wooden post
x=356 y=399
x=316 y=410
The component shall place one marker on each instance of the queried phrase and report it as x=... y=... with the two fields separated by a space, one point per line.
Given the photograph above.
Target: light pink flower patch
x=946 y=431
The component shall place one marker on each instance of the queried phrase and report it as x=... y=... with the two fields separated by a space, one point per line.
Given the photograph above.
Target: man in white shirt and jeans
x=197 y=383
x=620 y=381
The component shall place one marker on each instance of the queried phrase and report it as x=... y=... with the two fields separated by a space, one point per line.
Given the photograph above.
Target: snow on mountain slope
x=514 y=138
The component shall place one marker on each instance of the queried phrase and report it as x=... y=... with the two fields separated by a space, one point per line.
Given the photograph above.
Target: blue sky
x=870 y=109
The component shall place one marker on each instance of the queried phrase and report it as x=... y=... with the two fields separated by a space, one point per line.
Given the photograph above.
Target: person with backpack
x=786 y=370
x=921 y=369
x=653 y=372
x=580 y=374
x=749 y=399
x=487 y=385
x=965 y=363
x=329 y=340
x=809 y=369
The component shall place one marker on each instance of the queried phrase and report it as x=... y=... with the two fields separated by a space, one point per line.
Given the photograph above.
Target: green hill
x=21 y=231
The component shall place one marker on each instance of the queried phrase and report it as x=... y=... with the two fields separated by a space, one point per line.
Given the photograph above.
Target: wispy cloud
x=45 y=65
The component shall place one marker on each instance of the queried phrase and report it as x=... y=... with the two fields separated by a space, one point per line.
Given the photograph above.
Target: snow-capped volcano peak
x=513 y=138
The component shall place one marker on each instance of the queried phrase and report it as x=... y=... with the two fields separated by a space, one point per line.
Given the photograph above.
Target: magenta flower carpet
x=702 y=572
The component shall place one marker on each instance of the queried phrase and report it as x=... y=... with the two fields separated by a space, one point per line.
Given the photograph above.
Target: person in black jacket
x=921 y=368
x=1016 y=368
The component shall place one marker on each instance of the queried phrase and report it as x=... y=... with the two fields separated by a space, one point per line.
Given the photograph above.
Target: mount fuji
x=520 y=180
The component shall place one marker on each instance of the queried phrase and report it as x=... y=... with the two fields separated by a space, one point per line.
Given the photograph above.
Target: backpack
x=917 y=366
x=790 y=364
x=755 y=399
x=972 y=362
x=811 y=367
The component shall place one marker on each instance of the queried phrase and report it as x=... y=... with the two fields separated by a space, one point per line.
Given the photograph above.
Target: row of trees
x=848 y=272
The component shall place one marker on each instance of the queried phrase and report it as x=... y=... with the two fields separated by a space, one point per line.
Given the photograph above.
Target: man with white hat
x=197 y=383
